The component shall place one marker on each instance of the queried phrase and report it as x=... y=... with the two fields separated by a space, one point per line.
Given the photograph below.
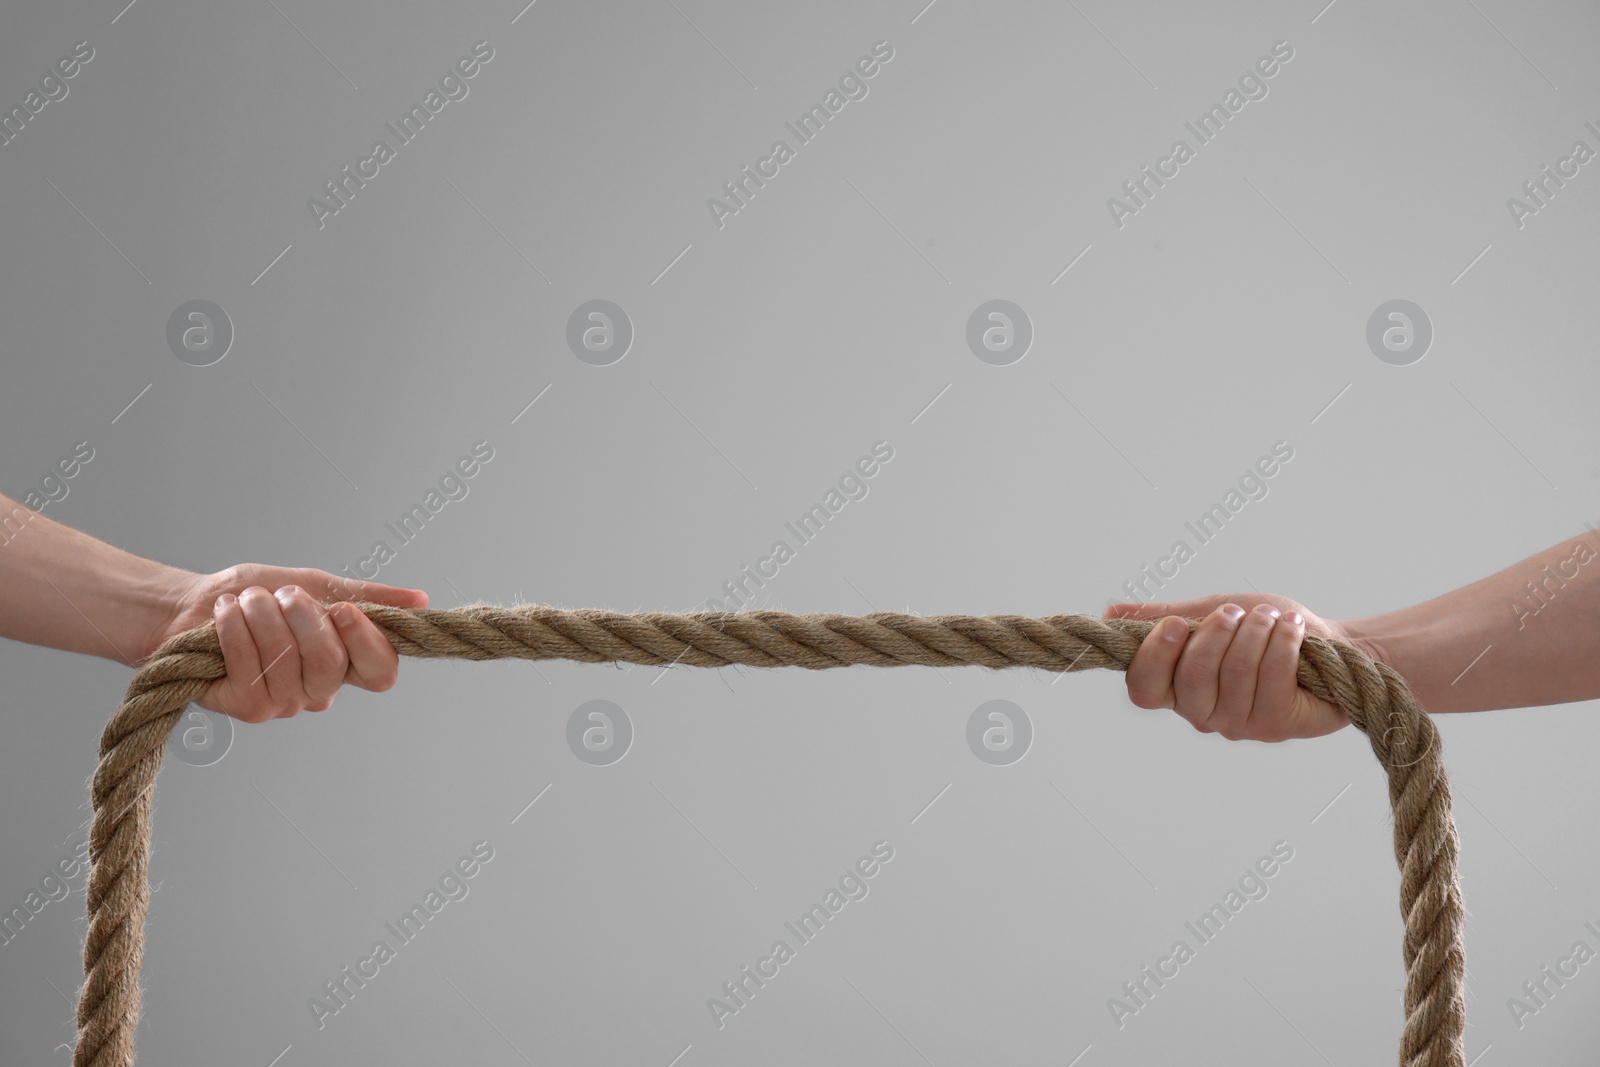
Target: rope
x=1379 y=703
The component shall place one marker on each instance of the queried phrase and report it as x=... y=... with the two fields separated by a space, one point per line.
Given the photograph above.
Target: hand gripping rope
x=1377 y=698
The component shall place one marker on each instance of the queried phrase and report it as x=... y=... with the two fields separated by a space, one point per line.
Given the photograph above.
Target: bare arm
x=1526 y=636
x=64 y=589
x=285 y=648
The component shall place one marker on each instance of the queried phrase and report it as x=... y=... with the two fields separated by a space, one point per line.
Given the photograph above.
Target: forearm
x=65 y=589
x=1526 y=636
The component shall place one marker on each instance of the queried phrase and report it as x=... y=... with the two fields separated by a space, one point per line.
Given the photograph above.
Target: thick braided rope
x=1379 y=702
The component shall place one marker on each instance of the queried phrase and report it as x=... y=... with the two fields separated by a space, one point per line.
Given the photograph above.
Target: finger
x=240 y=657
x=1310 y=716
x=332 y=587
x=395 y=596
x=1150 y=670
x=1194 y=683
x=374 y=664
x=322 y=654
x=1236 y=678
x=275 y=645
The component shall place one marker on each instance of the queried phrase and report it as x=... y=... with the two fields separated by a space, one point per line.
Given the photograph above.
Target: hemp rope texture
x=1377 y=698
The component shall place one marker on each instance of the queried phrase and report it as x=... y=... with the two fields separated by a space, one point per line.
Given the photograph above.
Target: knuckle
x=246 y=573
x=1264 y=727
x=1270 y=682
x=1258 y=625
x=322 y=659
x=1193 y=673
x=282 y=666
x=1238 y=670
x=1143 y=697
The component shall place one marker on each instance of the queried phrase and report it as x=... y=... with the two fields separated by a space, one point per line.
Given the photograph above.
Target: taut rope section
x=1379 y=702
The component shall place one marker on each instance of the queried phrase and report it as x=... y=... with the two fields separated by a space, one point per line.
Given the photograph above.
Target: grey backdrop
x=1168 y=354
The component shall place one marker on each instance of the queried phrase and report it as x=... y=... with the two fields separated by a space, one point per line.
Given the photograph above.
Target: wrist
x=1358 y=632
x=1382 y=638
x=148 y=602
x=1410 y=641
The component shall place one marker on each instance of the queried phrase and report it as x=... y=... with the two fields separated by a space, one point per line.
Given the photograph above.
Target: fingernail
x=226 y=600
x=1174 y=629
x=1295 y=618
x=1233 y=613
x=1267 y=610
x=340 y=614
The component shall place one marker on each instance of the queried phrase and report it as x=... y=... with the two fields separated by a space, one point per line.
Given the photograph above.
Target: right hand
x=1236 y=674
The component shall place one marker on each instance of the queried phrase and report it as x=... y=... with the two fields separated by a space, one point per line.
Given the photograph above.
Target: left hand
x=285 y=652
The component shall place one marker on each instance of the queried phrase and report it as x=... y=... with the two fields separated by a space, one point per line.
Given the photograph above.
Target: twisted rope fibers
x=1377 y=698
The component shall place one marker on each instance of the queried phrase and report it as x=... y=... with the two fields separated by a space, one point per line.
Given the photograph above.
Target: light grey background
x=768 y=355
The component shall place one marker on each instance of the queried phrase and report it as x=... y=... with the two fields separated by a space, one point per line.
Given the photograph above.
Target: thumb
x=394 y=596
x=1193 y=609
x=331 y=585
